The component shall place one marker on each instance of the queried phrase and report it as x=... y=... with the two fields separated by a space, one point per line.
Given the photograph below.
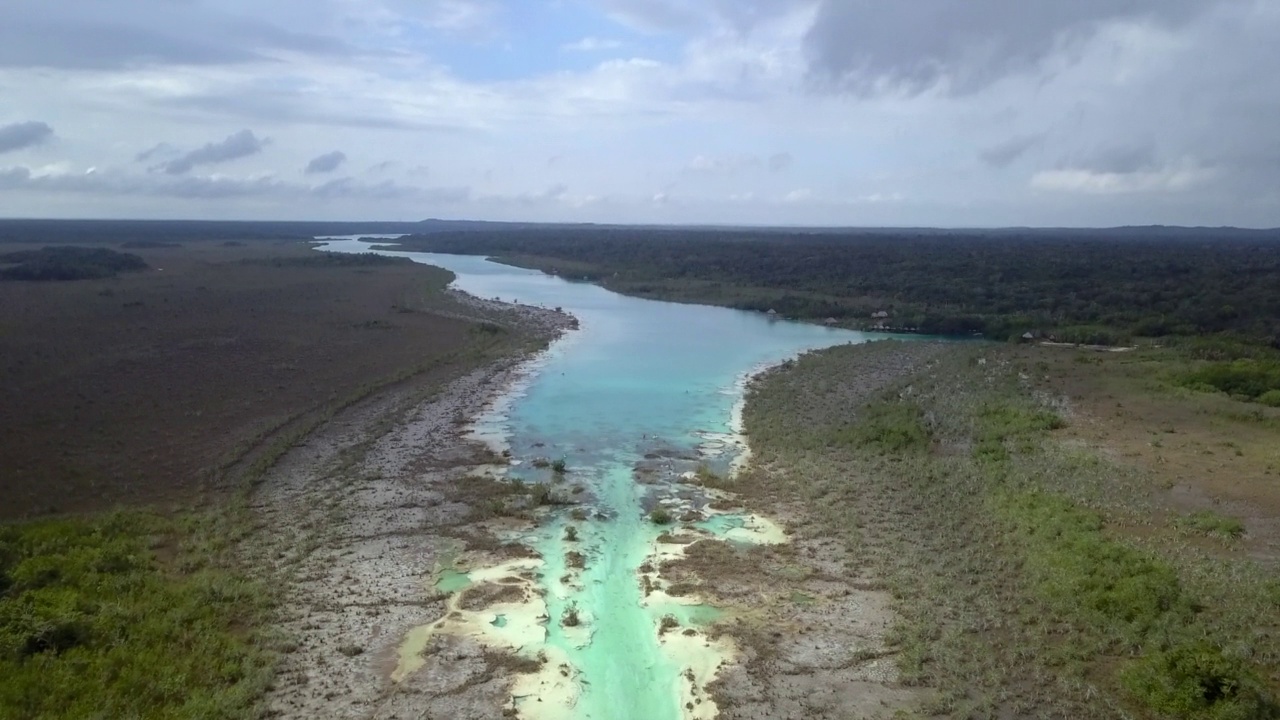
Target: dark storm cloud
x=1006 y=153
x=326 y=163
x=869 y=45
x=23 y=135
x=238 y=145
x=94 y=35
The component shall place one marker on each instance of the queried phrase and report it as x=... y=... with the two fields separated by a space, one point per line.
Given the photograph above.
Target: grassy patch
x=891 y=426
x=1091 y=579
x=1004 y=428
x=1208 y=522
x=93 y=624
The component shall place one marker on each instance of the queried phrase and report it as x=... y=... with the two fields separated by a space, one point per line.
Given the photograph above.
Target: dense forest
x=67 y=263
x=1077 y=286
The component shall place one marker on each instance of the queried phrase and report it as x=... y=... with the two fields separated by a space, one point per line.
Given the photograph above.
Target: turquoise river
x=640 y=395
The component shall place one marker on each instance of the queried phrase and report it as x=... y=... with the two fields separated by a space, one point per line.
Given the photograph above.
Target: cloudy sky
x=812 y=112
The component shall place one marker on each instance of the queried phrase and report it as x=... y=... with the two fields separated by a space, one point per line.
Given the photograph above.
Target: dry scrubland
x=139 y=411
x=148 y=385
x=1059 y=533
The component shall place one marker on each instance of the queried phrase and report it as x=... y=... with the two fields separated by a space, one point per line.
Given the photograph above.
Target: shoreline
x=361 y=516
x=814 y=641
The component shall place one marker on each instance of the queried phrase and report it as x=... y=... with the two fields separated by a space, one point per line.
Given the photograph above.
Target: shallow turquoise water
x=639 y=378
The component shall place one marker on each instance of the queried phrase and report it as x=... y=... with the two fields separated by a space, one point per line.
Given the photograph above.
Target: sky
x=960 y=113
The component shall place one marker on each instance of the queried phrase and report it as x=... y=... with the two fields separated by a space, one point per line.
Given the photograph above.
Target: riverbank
x=810 y=618
x=142 y=413
x=1025 y=519
x=362 y=517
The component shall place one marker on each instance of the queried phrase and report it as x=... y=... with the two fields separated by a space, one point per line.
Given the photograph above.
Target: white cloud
x=591 y=44
x=1006 y=113
x=1117 y=183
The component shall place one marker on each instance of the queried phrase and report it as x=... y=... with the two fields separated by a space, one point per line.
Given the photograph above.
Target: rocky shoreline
x=358 y=521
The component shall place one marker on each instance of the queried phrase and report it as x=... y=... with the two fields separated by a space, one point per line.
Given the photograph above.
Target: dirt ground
x=141 y=388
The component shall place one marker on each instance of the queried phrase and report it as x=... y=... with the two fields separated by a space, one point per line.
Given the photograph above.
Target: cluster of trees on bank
x=1080 y=286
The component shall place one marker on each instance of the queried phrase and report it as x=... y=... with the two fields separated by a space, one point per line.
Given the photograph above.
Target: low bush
x=92 y=625
x=891 y=427
x=1249 y=379
x=1197 y=681
x=661 y=516
x=1089 y=577
x=1002 y=428
x=1208 y=522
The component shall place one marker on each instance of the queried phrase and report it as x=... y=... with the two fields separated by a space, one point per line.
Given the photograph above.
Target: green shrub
x=660 y=516
x=1270 y=398
x=890 y=427
x=1208 y=522
x=1001 y=426
x=1251 y=379
x=541 y=494
x=1084 y=574
x=1196 y=681
x=92 y=626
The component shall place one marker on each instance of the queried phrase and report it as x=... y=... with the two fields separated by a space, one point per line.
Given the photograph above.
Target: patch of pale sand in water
x=548 y=694
x=700 y=658
x=758 y=530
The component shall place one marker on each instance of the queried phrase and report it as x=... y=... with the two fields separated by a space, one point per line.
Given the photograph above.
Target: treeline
x=67 y=263
x=331 y=259
x=1078 y=286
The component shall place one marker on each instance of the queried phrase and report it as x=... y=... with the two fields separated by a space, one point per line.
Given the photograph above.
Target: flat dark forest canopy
x=1095 y=286
x=133 y=389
